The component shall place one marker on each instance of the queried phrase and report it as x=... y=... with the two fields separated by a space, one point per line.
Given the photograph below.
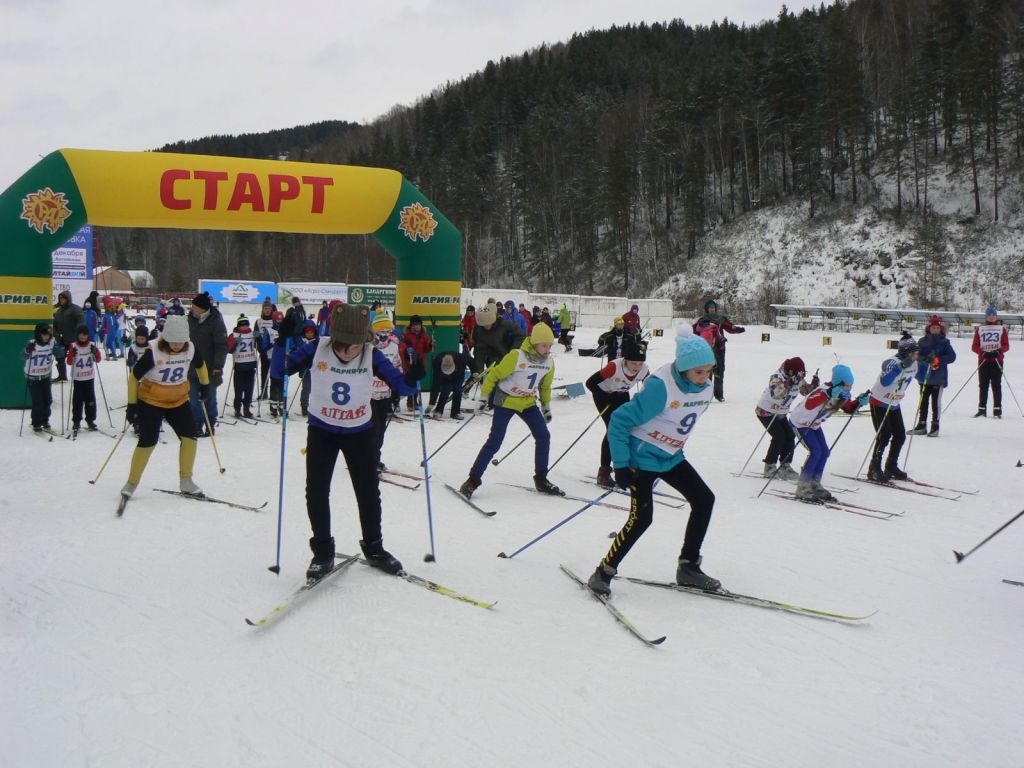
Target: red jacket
x=418 y=341
x=468 y=326
x=529 y=320
x=1004 y=344
x=71 y=352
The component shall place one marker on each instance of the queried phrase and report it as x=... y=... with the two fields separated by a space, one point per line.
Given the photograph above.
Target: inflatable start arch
x=73 y=187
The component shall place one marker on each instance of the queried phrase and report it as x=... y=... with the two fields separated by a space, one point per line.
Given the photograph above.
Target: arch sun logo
x=45 y=209
x=417 y=221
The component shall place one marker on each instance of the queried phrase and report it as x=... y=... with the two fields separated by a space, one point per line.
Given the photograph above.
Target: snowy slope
x=123 y=642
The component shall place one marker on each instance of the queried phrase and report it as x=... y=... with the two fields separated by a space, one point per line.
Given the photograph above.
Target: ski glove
x=625 y=477
x=991 y=355
x=414 y=374
x=545 y=411
x=132 y=412
x=815 y=381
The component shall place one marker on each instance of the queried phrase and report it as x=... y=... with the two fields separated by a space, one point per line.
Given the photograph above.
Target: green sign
x=367 y=294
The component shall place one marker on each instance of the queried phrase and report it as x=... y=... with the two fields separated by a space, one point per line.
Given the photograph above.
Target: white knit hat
x=175 y=329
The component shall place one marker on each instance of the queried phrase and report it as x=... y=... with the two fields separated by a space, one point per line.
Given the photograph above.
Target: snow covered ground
x=123 y=643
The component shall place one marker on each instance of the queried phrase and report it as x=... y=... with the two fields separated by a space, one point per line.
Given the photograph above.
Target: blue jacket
x=630 y=451
x=931 y=347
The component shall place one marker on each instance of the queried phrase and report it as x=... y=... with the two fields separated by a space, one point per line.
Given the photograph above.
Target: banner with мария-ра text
x=311 y=294
x=239 y=291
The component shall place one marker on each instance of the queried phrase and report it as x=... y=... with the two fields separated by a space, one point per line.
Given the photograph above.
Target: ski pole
x=431 y=556
x=276 y=567
x=874 y=441
x=917 y=416
x=295 y=396
x=61 y=406
x=104 y=393
x=1010 y=387
x=961 y=555
x=227 y=391
x=496 y=462
x=23 y=399
x=112 y=451
x=213 y=440
x=578 y=512
x=962 y=388
x=765 y=432
x=552 y=465
x=452 y=437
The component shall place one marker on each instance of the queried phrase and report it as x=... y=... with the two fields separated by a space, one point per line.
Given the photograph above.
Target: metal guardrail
x=886 y=321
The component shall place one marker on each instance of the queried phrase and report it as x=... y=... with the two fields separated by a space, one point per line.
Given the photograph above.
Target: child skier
x=416 y=338
x=934 y=354
x=991 y=342
x=342 y=367
x=646 y=436
x=610 y=388
x=611 y=340
x=808 y=416
x=158 y=390
x=138 y=348
x=82 y=357
x=310 y=333
x=886 y=394
x=385 y=341
x=38 y=357
x=521 y=378
x=449 y=375
x=242 y=347
x=772 y=410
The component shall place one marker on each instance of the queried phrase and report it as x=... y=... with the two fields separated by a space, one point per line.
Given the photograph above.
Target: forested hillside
x=621 y=158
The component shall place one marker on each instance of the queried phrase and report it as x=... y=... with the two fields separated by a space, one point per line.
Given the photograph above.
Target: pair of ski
x=733 y=597
x=344 y=561
x=46 y=433
x=469 y=502
x=399 y=483
x=843 y=506
x=73 y=434
x=571 y=497
x=934 y=491
x=832 y=488
x=209 y=499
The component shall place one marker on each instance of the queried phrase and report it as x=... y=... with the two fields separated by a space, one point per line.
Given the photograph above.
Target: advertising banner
x=367 y=294
x=73 y=260
x=311 y=293
x=240 y=291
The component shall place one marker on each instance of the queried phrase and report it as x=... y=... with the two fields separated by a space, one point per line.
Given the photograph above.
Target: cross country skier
x=808 y=416
x=934 y=354
x=138 y=348
x=82 y=357
x=310 y=333
x=772 y=410
x=385 y=341
x=158 y=390
x=610 y=388
x=991 y=342
x=38 y=357
x=242 y=348
x=521 y=378
x=886 y=394
x=646 y=436
x=342 y=367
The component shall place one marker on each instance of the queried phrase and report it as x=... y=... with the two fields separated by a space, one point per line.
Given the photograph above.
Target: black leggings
x=361 y=455
x=990 y=375
x=152 y=416
x=783 y=439
x=684 y=478
x=83 y=396
x=930 y=393
x=42 y=398
x=889 y=426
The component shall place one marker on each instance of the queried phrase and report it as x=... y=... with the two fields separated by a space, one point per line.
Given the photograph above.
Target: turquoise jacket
x=630 y=451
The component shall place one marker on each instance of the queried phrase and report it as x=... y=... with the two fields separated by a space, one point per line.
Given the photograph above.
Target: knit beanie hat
x=487 y=315
x=709 y=304
x=350 y=324
x=447 y=365
x=618 y=322
x=842 y=375
x=82 y=328
x=691 y=351
x=633 y=350
x=907 y=345
x=991 y=312
x=243 y=322
x=542 y=334
x=415 y=320
x=176 y=329
x=936 y=320
x=794 y=366
x=141 y=330
x=202 y=301
x=381 y=323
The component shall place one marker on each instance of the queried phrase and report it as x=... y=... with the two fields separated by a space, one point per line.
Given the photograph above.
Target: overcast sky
x=111 y=74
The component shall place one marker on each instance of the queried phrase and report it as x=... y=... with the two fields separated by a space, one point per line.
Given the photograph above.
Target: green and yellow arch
x=73 y=187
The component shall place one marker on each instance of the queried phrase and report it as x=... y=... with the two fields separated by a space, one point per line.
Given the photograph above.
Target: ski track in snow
x=123 y=642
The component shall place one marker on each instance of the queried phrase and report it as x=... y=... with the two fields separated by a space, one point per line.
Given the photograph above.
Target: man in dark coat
x=66 y=318
x=494 y=337
x=210 y=336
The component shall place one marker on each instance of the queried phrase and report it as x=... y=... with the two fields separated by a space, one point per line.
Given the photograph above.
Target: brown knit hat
x=350 y=324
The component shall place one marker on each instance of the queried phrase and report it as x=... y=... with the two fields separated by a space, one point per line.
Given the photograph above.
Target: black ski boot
x=471 y=484
x=689 y=574
x=542 y=484
x=601 y=580
x=379 y=557
x=920 y=429
x=997 y=412
x=323 y=559
x=875 y=472
x=980 y=413
x=605 y=478
x=894 y=472
x=934 y=431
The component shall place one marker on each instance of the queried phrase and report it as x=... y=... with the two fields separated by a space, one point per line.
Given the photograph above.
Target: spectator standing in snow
x=723 y=325
x=934 y=354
